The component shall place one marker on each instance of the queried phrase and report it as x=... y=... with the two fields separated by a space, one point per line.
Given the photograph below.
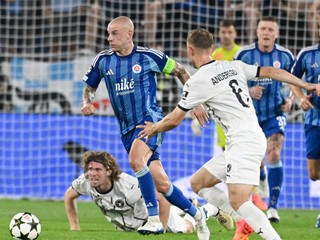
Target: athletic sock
x=218 y=198
x=176 y=198
x=211 y=210
x=275 y=178
x=258 y=221
x=147 y=188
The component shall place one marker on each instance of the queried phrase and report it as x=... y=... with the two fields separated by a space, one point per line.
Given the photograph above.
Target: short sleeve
x=81 y=185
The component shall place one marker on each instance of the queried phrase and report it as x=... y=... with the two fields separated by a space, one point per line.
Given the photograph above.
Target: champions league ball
x=25 y=226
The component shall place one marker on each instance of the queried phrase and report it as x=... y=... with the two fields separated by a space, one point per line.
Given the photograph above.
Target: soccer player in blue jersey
x=308 y=64
x=270 y=104
x=129 y=72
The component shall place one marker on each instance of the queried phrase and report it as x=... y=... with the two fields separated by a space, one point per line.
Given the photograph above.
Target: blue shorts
x=154 y=142
x=312 y=141
x=276 y=124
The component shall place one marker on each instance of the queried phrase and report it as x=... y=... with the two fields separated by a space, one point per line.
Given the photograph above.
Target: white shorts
x=239 y=163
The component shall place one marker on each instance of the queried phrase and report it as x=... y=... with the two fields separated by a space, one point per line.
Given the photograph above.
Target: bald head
x=120 y=37
x=123 y=22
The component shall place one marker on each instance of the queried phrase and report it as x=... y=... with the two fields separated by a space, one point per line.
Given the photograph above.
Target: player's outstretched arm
x=70 y=203
x=284 y=76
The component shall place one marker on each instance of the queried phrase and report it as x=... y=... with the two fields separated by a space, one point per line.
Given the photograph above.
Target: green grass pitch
x=294 y=225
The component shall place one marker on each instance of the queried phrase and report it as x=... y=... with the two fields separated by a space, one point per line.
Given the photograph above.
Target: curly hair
x=106 y=159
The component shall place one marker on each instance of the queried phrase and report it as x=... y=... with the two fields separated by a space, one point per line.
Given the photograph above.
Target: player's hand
x=147 y=130
x=196 y=127
x=256 y=92
x=200 y=113
x=305 y=103
x=286 y=107
x=88 y=109
x=314 y=88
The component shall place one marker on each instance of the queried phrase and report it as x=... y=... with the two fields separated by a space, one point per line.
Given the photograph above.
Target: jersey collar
x=207 y=63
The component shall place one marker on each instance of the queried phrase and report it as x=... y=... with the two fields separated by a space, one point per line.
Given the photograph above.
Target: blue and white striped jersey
x=308 y=64
x=269 y=104
x=131 y=83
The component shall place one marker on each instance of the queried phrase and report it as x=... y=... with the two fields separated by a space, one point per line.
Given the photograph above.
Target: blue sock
x=147 y=189
x=263 y=174
x=275 y=178
x=176 y=197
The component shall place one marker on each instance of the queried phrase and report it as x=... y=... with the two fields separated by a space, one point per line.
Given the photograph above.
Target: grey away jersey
x=123 y=205
x=222 y=87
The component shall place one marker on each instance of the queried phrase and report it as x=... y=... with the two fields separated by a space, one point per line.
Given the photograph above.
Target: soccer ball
x=25 y=226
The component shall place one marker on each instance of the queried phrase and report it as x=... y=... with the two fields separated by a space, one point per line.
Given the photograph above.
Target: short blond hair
x=200 y=38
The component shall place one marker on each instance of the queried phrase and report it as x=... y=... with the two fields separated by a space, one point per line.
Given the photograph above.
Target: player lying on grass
x=119 y=198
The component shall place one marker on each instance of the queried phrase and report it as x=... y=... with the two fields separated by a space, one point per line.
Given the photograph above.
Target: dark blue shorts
x=276 y=124
x=154 y=142
x=312 y=141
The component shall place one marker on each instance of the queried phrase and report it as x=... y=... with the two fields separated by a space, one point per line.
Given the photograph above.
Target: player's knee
x=135 y=164
x=273 y=155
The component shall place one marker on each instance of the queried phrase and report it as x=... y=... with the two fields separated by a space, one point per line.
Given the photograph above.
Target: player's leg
x=262 y=191
x=275 y=175
x=139 y=155
x=180 y=223
x=164 y=209
x=239 y=195
x=176 y=198
x=243 y=162
x=204 y=181
x=312 y=134
x=274 y=131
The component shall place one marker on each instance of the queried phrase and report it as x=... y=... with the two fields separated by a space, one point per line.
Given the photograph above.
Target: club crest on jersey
x=119 y=203
x=136 y=68
x=276 y=64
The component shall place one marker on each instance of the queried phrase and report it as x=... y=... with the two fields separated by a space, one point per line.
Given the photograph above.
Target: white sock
x=258 y=221
x=154 y=219
x=198 y=215
x=211 y=210
x=217 y=197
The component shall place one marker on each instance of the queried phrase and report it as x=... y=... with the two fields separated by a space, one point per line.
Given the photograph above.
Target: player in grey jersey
x=119 y=198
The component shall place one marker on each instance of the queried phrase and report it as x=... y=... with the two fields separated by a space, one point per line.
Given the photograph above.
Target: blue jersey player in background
x=129 y=72
x=308 y=64
x=269 y=102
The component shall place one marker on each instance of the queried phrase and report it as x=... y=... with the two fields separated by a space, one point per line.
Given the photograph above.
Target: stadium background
x=45 y=50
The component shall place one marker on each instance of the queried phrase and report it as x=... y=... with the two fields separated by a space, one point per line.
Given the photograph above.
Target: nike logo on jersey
x=125 y=86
